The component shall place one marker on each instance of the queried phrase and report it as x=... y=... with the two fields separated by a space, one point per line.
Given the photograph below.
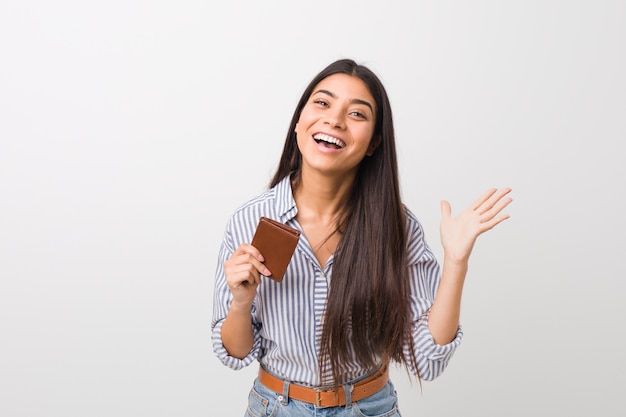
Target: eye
x=321 y=102
x=358 y=114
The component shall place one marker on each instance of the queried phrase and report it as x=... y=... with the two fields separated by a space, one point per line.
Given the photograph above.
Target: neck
x=322 y=196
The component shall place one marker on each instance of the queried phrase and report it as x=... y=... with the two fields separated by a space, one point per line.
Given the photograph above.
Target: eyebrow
x=354 y=100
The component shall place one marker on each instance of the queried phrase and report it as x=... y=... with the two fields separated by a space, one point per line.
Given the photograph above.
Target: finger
x=493 y=199
x=446 y=209
x=258 y=256
x=249 y=253
x=255 y=280
x=493 y=223
x=496 y=209
x=484 y=197
x=243 y=275
x=241 y=278
x=246 y=248
x=247 y=260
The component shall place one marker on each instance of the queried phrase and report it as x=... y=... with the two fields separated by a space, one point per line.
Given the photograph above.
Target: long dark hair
x=368 y=310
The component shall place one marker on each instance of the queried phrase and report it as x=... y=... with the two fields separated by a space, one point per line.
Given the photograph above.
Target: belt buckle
x=318 y=398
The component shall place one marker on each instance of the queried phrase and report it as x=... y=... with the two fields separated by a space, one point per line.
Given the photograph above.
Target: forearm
x=443 y=320
x=237 y=334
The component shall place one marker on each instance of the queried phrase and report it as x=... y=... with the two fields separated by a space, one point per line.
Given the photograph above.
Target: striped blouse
x=287 y=317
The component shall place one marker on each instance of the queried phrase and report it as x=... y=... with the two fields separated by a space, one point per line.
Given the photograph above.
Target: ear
x=374 y=143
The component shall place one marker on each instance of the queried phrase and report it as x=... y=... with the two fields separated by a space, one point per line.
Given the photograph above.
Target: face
x=336 y=126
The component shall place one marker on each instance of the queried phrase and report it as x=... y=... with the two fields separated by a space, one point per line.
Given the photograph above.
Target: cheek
x=302 y=127
x=367 y=135
x=299 y=133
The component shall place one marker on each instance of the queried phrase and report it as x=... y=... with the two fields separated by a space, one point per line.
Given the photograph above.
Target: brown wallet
x=276 y=242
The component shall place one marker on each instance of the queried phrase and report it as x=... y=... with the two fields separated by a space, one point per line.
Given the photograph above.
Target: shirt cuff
x=223 y=355
x=425 y=343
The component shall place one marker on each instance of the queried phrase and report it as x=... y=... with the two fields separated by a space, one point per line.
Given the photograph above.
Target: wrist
x=455 y=262
x=237 y=307
x=455 y=269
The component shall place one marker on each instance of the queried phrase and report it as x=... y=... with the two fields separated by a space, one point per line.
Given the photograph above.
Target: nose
x=336 y=119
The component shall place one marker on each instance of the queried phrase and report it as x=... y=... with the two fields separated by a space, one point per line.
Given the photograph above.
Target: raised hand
x=243 y=273
x=458 y=234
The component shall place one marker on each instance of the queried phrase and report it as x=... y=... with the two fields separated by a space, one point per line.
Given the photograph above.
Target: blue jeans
x=263 y=402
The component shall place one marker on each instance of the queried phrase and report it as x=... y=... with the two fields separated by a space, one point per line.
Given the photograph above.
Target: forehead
x=344 y=86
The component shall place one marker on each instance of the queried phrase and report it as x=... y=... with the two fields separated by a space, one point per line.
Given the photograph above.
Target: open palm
x=458 y=234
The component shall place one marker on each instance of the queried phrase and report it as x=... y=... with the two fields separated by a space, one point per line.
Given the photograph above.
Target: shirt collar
x=285 y=203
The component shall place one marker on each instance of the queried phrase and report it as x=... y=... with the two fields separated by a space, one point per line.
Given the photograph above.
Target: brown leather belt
x=328 y=397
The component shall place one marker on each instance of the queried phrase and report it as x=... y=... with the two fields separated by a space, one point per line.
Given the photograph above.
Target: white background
x=130 y=131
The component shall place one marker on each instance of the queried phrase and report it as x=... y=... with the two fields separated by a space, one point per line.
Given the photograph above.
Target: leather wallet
x=276 y=242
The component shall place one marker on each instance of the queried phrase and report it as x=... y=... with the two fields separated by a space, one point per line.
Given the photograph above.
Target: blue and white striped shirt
x=287 y=317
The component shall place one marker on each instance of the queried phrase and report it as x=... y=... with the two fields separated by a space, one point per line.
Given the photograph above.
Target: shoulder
x=265 y=198
x=249 y=212
x=413 y=225
x=272 y=203
x=417 y=248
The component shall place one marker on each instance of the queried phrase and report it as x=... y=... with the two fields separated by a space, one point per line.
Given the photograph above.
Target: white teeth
x=329 y=139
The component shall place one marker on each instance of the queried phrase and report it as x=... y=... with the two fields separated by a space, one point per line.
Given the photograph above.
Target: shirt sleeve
x=222 y=299
x=425 y=274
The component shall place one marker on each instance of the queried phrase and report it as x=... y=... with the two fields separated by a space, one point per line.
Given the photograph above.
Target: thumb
x=446 y=210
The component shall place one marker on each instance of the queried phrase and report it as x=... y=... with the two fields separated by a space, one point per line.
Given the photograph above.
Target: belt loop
x=347 y=390
x=285 y=397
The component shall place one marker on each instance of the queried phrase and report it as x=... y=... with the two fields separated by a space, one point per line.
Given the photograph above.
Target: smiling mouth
x=328 y=141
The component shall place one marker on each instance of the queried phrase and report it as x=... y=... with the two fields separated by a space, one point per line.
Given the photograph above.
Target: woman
x=363 y=289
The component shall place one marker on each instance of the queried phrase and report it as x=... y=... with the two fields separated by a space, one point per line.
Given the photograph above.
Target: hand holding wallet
x=277 y=243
